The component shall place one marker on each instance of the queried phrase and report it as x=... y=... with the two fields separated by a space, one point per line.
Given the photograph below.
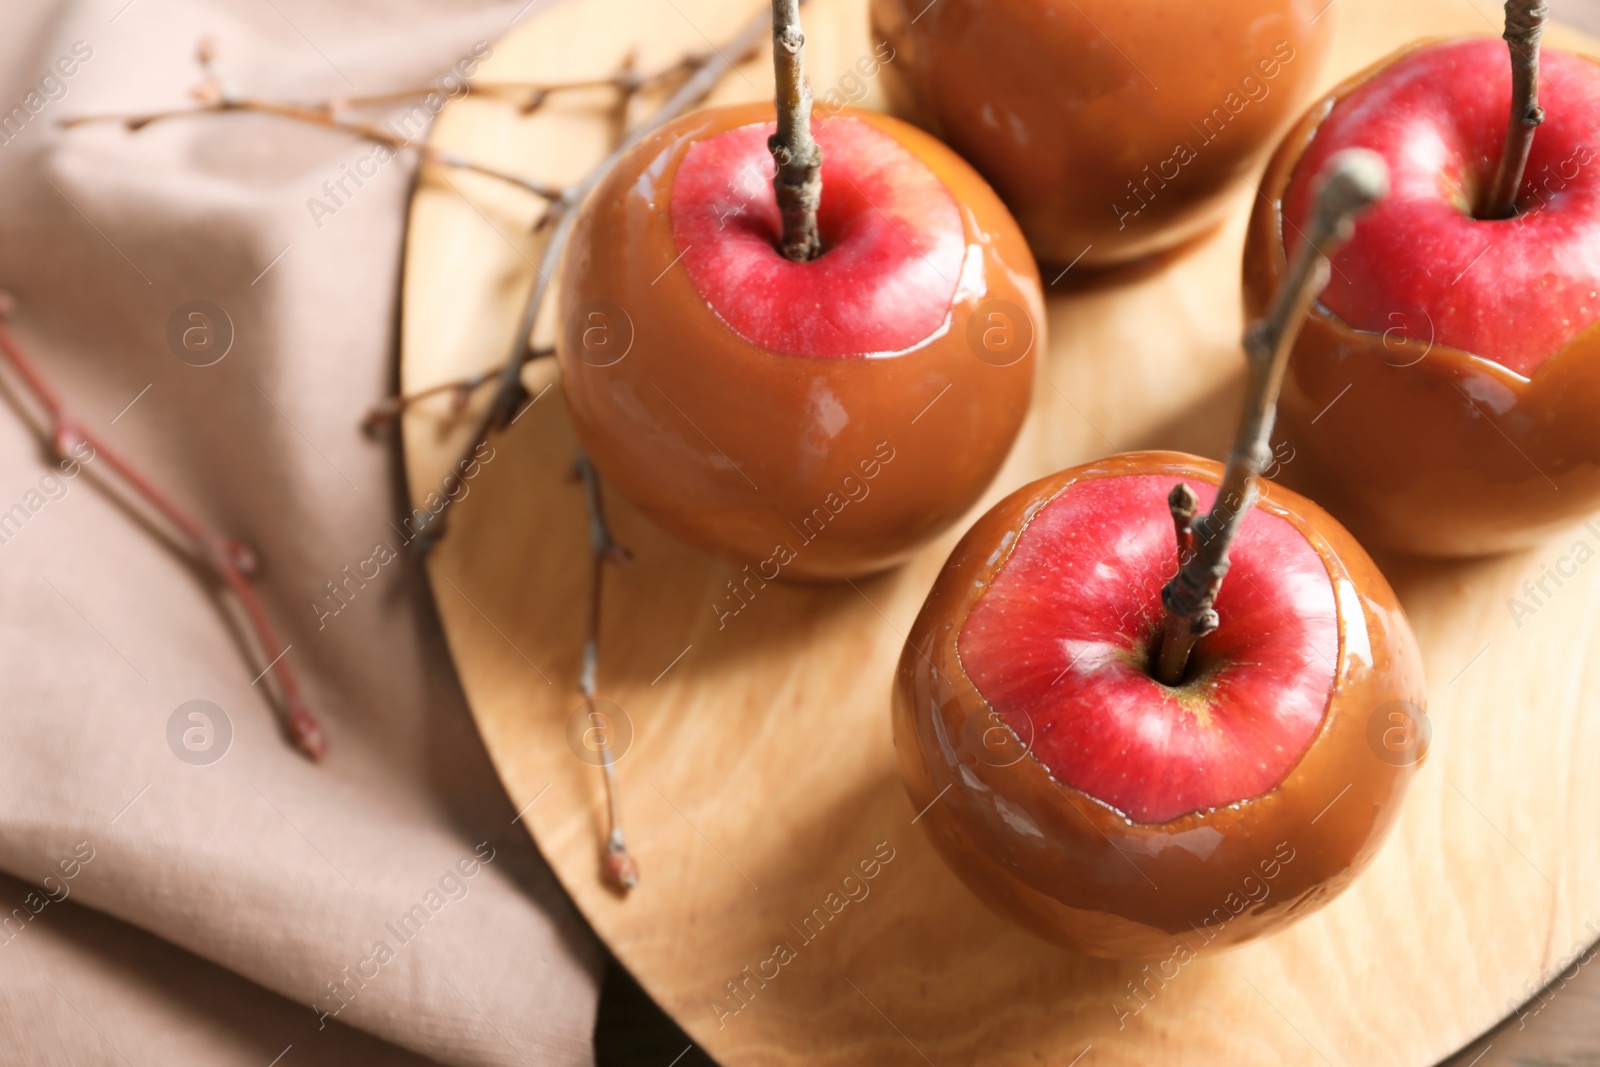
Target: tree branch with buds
x=1353 y=181
x=618 y=868
x=233 y=562
x=560 y=217
x=215 y=97
x=617 y=865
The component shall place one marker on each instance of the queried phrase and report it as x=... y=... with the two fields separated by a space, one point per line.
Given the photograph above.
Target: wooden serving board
x=760 y=770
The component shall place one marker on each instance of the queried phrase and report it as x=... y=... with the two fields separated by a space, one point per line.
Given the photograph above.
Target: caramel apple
x=1112 y=130
x=1441 y=399
x=813 y=397
x=1118 y=749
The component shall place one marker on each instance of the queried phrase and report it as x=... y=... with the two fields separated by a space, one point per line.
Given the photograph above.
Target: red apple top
x=1427 y=262
x=891 y=243
x=1062 y=641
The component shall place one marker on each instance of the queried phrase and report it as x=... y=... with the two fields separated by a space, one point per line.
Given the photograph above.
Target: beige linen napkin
x=163 y=905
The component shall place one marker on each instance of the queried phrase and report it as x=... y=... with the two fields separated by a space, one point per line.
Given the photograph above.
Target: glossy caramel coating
x=731 y=446
x=1431 y=451
x=1063 y=107
x=1082 y=875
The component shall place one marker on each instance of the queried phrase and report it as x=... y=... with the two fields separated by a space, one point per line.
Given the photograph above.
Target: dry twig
x=215 y=97
x=1352 y=181
x=232 y=561
x=559 y=217
x=1524 y=27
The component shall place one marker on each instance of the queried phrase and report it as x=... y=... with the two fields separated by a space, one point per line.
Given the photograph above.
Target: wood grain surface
x=760 y=770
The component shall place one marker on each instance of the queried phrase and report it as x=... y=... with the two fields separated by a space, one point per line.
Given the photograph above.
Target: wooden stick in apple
x=798 y=181
x=1354 y=180
x=1524 y=26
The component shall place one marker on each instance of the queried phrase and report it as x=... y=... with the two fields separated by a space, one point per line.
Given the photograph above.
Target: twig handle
x=798 y=180
x=1524 y=27
x=1352 y=181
